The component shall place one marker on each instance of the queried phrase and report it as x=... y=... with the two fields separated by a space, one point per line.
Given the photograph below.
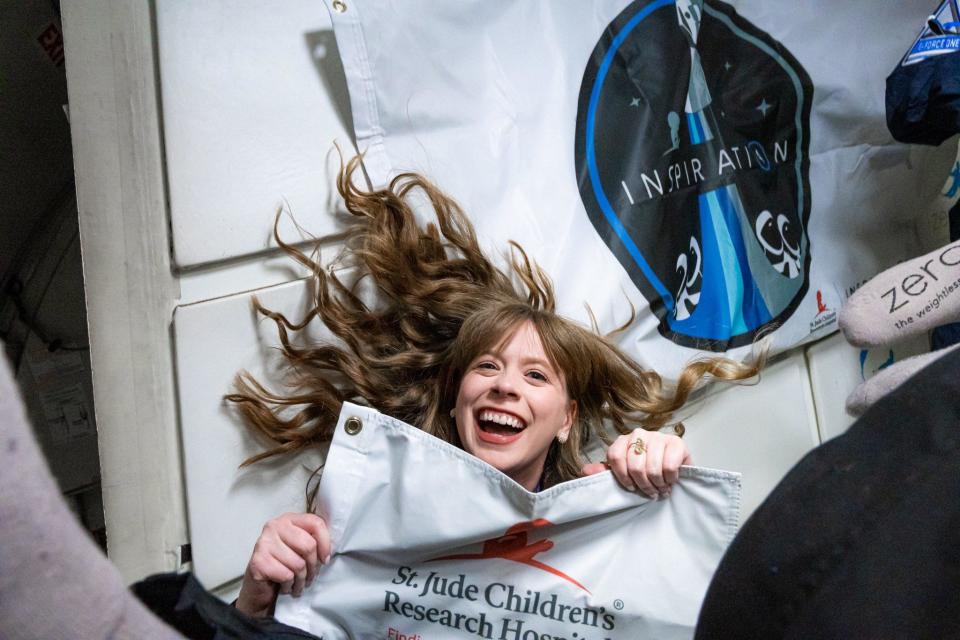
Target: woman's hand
x=284 y=560
x=651 y=468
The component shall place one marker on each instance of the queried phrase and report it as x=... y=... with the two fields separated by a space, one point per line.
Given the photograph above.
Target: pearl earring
x=453 y=412
x=562 y=438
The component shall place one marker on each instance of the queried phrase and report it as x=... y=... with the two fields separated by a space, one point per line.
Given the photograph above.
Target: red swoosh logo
x=514 y=546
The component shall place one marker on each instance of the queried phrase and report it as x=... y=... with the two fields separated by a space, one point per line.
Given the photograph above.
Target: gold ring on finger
x=638 y=446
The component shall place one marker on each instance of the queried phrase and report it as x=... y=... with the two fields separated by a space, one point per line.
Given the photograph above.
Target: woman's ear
x=569 y=419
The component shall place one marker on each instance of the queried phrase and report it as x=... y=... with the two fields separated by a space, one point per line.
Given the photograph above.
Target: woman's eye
x=536 y=375
x=486 y=365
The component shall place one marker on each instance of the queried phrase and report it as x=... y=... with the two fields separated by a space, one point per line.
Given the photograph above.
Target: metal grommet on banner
x=353 y=426
x=339 y=6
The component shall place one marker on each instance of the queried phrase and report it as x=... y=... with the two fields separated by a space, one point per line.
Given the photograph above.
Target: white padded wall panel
x=759 y=430
x=253 y=97
x=227 y=506
x=836 y=368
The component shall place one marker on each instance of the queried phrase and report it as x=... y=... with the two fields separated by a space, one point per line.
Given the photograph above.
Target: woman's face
x=512 y=404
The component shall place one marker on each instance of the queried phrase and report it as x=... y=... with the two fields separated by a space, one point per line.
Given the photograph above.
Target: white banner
x=432 y=543
x=724 y=166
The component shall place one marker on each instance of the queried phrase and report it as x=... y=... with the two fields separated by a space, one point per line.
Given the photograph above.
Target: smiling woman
x=513 y=402
x=471 y=354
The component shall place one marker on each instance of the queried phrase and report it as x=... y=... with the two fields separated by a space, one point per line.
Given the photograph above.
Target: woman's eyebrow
x=527 y=360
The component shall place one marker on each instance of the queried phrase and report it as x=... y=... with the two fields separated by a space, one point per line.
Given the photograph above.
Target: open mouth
x=498 y=426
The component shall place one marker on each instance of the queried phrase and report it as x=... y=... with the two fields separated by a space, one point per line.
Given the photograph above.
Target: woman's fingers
x=651 y=467
x=278 y=574
x=300 y=542
x=303 y=548
x=617 y=461
x=626 y=464
x=675 y=455
x=653 y=460
x=593 y=468
x=315 y=526
x=285 y=559
x=637 y=456
x=297 y=566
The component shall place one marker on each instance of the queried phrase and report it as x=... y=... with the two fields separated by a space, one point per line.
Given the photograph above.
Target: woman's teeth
x=502 y=419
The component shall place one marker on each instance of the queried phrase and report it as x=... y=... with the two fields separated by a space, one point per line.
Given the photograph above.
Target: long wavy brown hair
x=440 y=303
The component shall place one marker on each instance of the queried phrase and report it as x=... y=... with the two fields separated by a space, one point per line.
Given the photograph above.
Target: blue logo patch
x=940 y=34
x=692 y=157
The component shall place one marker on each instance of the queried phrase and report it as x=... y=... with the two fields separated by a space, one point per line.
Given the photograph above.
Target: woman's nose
x=504 y=384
